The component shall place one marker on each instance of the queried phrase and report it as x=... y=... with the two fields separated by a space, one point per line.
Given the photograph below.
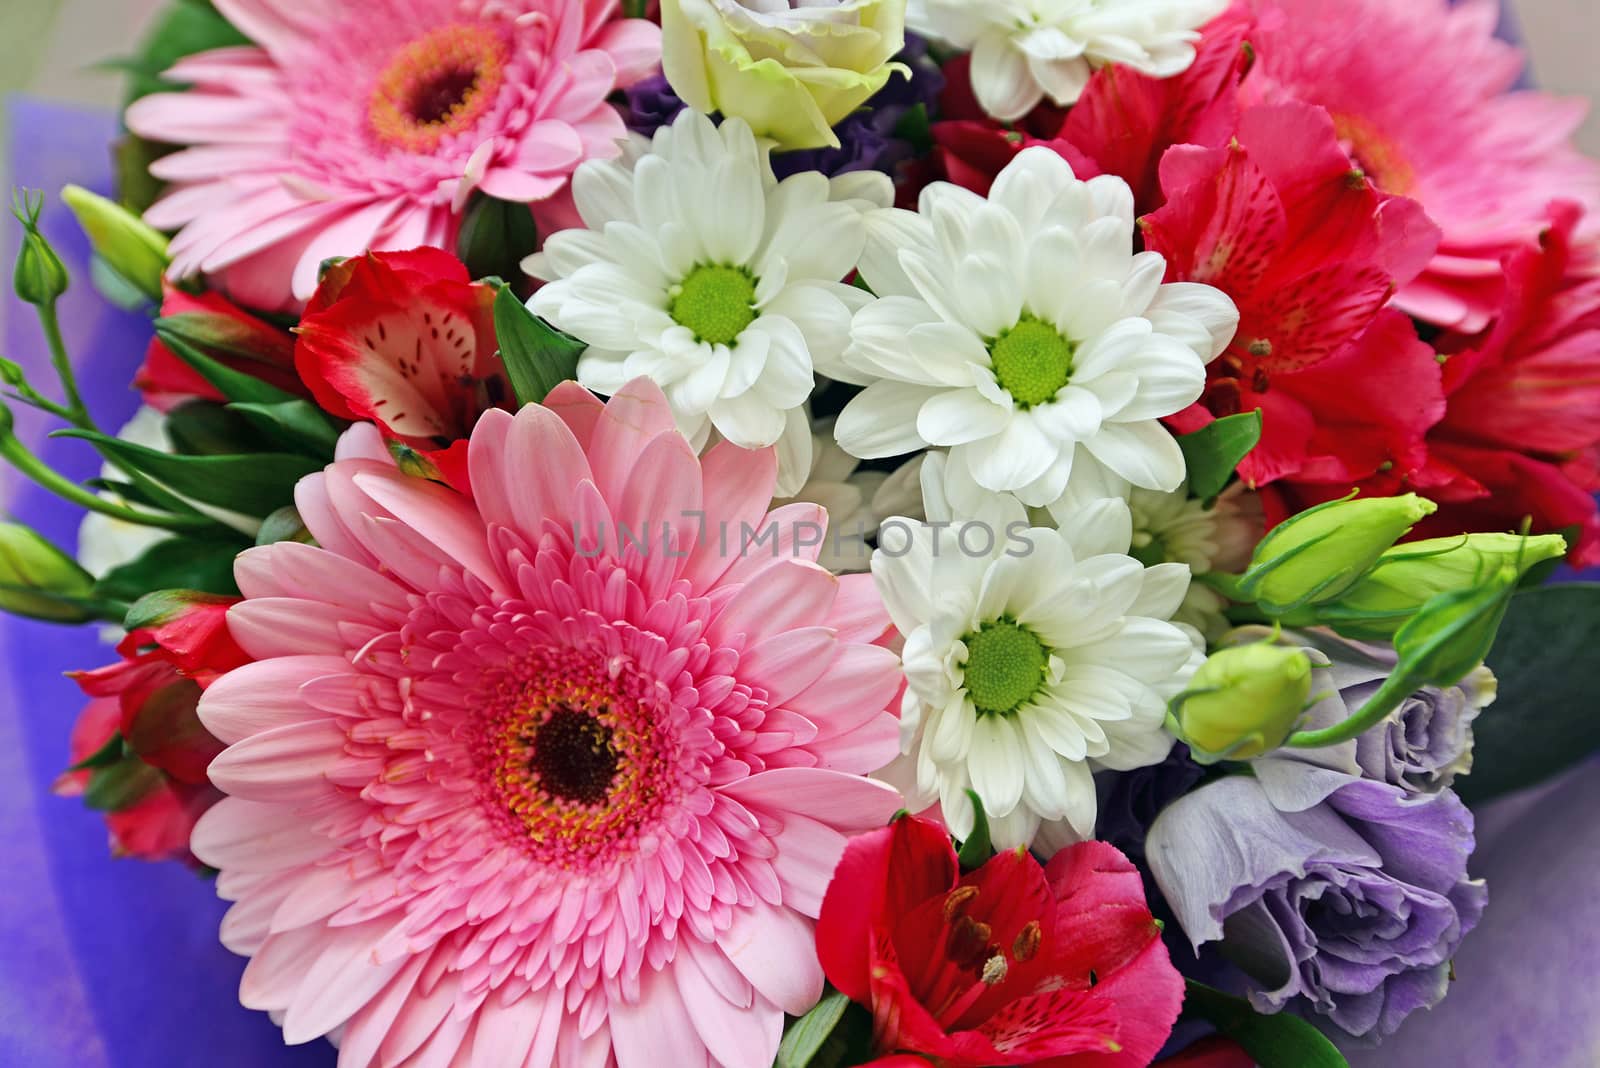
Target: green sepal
x=120 y=785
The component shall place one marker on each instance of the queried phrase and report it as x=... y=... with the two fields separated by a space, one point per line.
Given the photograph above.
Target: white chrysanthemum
x=1026 y=50
x=1024 y=333
x=857 y=501
x=1206 y=536
x=1033 y=657
x=698 y=269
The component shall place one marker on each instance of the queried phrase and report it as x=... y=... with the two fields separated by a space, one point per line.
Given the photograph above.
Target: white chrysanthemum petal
x=1143 y=453
x=882 y=420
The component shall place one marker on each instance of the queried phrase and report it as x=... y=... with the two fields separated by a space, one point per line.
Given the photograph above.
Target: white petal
x=958 y=416
x=882 y=420
x=1143 y=453
x=996 y=764
x=1004 y=85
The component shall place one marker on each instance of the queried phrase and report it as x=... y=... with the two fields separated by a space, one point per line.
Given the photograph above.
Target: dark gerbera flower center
x=438 y=85
x=573 y=757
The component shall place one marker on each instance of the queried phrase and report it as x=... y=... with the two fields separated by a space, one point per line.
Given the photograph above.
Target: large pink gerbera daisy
x=504 y=798
x=366 y=124
x=1418 y=91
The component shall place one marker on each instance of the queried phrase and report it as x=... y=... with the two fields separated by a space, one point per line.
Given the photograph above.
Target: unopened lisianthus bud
x=1409 y=576
x=1320 y=554
x=1452 y=635
x=132 y=248
x=1244 y=701
x=38 y=580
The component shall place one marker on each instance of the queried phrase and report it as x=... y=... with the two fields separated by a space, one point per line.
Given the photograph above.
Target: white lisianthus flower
x=1033 y=657
x=1023 y=333
x=1026 y=50
x=698 y=269
x=857 y=501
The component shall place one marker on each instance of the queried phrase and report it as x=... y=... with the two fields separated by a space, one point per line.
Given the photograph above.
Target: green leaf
x=121 y=784
x=977 y=849
x=1543 y=720
x=833 y=1034
x=915 y=128
x=1212 y=453
x=175 y=564
x=537 y=356
x=284 y=525
x=253 y=484
x=496 y=236
x=201 y=428
x=1278 y=1041
x=104 y=757
x=186 y=27
x=178 y=332
x=293 y=424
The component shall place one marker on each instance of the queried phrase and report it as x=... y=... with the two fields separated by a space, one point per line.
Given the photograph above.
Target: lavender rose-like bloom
x=1421 y=747
x=1344 y=899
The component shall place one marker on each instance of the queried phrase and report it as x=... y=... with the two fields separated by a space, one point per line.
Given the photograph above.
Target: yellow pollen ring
x=437 y=86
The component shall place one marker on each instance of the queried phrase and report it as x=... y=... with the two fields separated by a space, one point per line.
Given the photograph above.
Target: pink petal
x=538 y=472
x=280 y=26
x=860 y=682
x=791 y=594
x=293 y=569
x=442 y=516
x=371 y=1023
x=636 y=414
x=634 y=46
x=286 y=626
x=237 y=835
x=285 y=764
x=657 y=1029
x=793 y=524
x=344 y=978
x=578 y=408
x=260 y=697
x=738 y=486
x=662 y=493
x=843 y=801
x=731 y=1034
x=785 y=664
x=775 y=948
x=858 y=612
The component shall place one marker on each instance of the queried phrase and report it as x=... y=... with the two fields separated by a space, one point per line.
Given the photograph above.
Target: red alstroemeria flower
x=1311 y=252
x=232 y=336
x=1522 y=425
x=406 y=340
x=1012 y=964
x=1126 y=121
x=178 y=645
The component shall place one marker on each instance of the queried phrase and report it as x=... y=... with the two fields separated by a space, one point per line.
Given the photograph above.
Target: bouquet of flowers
x=739 y=532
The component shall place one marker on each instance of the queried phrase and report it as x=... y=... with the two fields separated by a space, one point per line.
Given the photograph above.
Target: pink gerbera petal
x=542 y=799
x=375 y=120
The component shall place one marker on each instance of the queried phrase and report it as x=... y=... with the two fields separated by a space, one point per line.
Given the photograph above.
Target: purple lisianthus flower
x=1421 y=747
x=869 y=138
x=1342 y=898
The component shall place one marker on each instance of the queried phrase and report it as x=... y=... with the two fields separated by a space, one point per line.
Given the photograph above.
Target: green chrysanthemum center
x=715 y=303
x=1005 y=666
x=1032 y=361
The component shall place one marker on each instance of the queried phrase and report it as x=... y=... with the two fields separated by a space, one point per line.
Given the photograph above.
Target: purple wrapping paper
x=115 y=964
x=103 y=963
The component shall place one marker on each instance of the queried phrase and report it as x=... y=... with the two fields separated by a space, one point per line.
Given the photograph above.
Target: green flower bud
x=40 y=277
x=1319 y=554
x=39 y=581
x=1409 y=576
x=134 y=250
x=1244 y=701
x=1453 y=633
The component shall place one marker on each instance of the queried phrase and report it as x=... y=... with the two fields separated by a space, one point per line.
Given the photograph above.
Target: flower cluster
x=668 y=533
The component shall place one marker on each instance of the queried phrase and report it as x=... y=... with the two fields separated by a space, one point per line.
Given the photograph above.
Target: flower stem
x=1225 y=584
x=1390 y=696
x=18 y=455
x=76 y=412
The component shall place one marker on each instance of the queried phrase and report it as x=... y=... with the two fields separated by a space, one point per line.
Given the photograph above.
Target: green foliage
x=1213 y=452
x=977 y=849
x=175 y=564
x=185 y=28
x=538 y=357
x=496 y=236
x=1543 y=720
x=832 y=1035
x=252 y=484
x=1281 y=1040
